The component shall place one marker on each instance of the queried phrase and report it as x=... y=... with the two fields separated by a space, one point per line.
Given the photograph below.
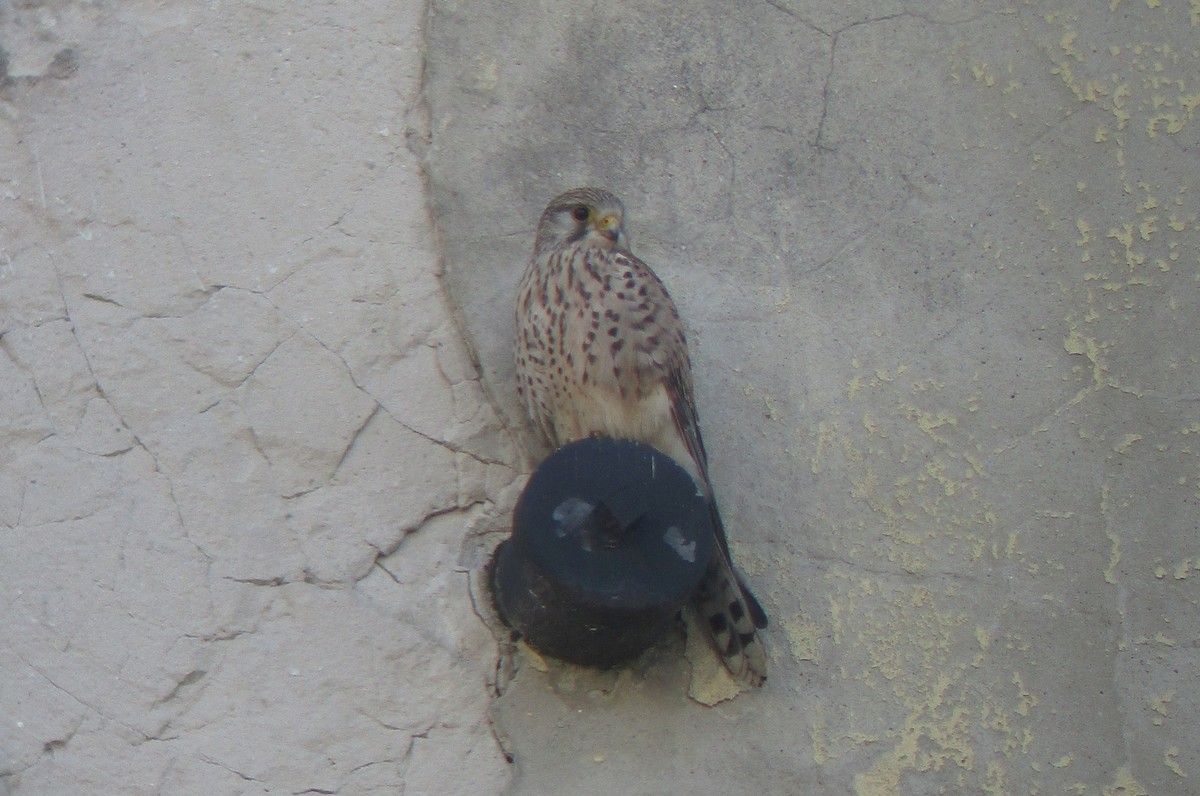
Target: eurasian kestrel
x=600 y=350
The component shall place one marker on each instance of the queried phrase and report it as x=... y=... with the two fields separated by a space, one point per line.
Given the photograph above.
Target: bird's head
x=592 y=216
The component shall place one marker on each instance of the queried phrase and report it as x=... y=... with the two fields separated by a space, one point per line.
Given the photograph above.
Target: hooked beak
x=609 y=225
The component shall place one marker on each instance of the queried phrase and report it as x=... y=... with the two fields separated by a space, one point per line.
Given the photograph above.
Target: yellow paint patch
x=826 y=437
x=803 y=637
x=1170 y=760
x=1077 y=343
x=1159 y=705
x=1125 y=785
x=1067 y=42
x=1114 y=551
x=817 y=735
x=910 y=639
x=1025 y=699
x=1126 y=442
x=854 y=385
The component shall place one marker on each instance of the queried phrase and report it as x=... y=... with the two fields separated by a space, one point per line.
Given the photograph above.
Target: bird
x=600 y=351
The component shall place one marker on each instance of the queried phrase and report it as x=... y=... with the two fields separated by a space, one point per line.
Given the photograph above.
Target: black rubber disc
x=610 y=539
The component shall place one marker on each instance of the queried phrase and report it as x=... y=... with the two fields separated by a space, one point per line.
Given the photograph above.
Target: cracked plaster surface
x=244 y=449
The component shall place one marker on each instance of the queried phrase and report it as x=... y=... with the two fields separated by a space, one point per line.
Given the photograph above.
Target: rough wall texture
x=940 y=265
x=242 y=440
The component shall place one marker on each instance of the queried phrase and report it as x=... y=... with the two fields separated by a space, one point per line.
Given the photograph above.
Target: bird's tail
x=731 y=616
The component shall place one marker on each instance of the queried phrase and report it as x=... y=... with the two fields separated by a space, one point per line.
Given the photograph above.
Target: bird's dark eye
x=580 y=213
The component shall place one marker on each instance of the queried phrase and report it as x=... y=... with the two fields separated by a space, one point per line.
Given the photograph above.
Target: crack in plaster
x=835 y=36
x=139 y=443
x=230 y=769
x=181 y=685
x=349 y=445
x=350 y=372
x=80 y=700
x=419 y=150
x=383 y=552
x=49 y=748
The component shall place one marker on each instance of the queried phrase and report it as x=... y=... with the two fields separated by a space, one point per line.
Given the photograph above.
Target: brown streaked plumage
x=600 y=350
